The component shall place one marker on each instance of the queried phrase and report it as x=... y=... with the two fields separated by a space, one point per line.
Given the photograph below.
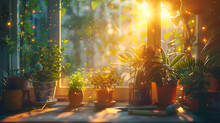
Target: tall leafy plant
x=195 y=82
x=8 y=43
x=139 y=61
x=51 y=62
x=164 y=73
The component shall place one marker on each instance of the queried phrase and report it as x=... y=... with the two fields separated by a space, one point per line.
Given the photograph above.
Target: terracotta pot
x=12 y=100
x=194 y=105
x=216 y=84
x=44 y=91
x=22 y=84
x=75 y=97
x=104 y=96
x=166 y=95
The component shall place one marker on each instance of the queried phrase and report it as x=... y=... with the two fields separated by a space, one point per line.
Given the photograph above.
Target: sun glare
x=145 y=10
x=165 y=15
x=144 y=5
x=147 y=13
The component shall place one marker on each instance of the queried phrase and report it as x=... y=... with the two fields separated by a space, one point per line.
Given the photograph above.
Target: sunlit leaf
x=163 y=55
x=176 y=60
x=122 y=60
x=167 y=35
x=95 y=4
x=67 y=65
x=123 y=56
x=128 y=55
x=63 y=12
x=143 y=34
x=176 y=20
x=65 y=41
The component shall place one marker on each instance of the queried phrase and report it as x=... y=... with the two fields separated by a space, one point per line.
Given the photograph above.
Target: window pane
x=33 y=31
x=97 y=35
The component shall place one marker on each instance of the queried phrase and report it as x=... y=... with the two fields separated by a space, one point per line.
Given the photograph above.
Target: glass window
x=33 y=31
x=97 y=31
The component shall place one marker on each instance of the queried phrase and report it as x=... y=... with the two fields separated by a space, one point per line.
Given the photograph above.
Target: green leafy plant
x=51 y=62
x=8 y=43
x=77 y=80
x=215 y=72
x=104 y=78
x=195 y=82
x=194 y=76
x=164 y=73
x=139 y=61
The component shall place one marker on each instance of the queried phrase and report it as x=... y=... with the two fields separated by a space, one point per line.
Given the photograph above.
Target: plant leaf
x=176 y=59
x=164 y=56
x=122 y=56
x=176 y=20
x=95 y=4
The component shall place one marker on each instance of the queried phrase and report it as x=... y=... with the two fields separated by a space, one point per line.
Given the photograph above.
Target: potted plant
x=194 y=78
x=165 y=77
x=139 y=61
x=47 y=74
x=195 y=87
x=104 y=81
x=12 y=95
x=76 y=86
x=215 y=78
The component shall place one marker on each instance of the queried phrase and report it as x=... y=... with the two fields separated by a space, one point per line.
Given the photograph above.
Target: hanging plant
x=8 y=43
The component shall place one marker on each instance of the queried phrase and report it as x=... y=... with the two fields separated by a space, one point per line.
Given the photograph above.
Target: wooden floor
x=88 y=113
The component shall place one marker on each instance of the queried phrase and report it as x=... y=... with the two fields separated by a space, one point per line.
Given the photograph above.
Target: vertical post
x=197 y=37
x=154 y=33
x=54 y=24
x=199 y=43
x=14 y=19
x=154 y=24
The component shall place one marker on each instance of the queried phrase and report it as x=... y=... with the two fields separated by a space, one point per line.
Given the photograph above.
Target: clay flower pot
x=166 y=95
x=12 y=100
x=216 y=84
x=104 y=96
x=75 y=97
x=194 y=105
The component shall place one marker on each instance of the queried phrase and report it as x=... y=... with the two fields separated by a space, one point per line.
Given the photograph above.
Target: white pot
x=44 y=91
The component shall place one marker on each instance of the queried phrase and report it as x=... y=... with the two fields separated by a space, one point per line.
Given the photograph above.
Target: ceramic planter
x=104 y=96
x=12 y=100
x=75 y=97
x=44 y=91
x=166 y=95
